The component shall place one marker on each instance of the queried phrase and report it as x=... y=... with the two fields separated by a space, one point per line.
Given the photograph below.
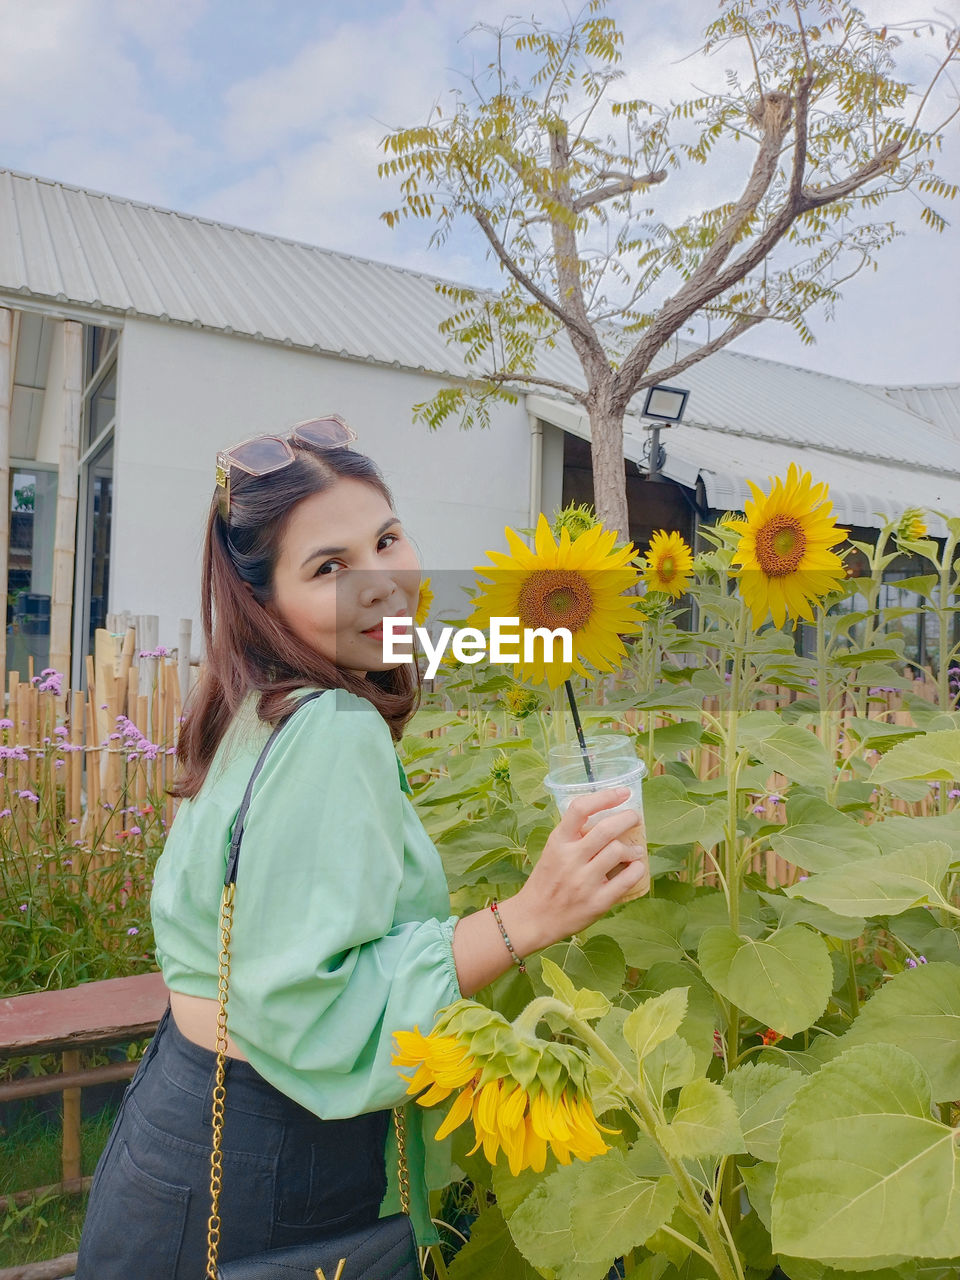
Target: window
x=33 y=518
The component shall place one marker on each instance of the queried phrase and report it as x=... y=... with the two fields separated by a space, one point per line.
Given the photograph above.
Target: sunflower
x=424 y=601
x=576 y=583
x=784 y=552
x=522 y=1097
x=668 y=564
x=912 y=526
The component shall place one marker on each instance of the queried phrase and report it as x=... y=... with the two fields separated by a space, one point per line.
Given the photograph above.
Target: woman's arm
x=566 y=891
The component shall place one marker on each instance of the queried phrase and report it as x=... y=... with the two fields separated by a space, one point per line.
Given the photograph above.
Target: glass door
x=95 y=527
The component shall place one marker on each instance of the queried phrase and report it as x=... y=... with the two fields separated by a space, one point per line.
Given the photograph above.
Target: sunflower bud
x=575 y=518
x=521 y=702
x=912 y=526
x=521 y=1093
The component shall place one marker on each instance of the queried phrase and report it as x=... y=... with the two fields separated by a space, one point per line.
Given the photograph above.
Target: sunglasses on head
x=262 y=455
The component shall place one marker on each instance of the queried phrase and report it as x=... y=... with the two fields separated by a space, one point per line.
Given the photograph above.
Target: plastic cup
x=613 y=763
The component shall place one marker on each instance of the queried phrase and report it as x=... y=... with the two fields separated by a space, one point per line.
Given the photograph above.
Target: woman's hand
x=568 y=888
x=566 y=891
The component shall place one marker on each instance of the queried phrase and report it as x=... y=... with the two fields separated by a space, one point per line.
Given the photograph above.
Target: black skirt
x=288 y=1177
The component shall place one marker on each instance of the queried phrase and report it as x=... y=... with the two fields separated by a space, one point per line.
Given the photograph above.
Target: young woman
x=342 y=931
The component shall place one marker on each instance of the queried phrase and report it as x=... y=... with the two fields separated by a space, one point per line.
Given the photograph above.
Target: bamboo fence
x=82 y=767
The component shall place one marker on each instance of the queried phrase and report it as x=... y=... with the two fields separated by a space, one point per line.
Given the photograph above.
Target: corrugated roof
x=862 y=488
x=937 y=404
x=65 y=245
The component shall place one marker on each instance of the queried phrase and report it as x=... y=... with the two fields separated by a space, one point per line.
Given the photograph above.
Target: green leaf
x=671 y=818
x=887 y=885
x=705 y=1123
x=919 y=1011
x=597 y=966
x=818 y=838
x=646 y=930
x=655 y=1021
x=797 y=754
x=557 y=981
x=783 y=981
x=933 y=756
x=759 y=1180
x=490 y=1251
x=699 y=1021
x=865 y=1171
x=709 y=908
x=615 y=1210
x=583 y=1216
x=671 y=1065
x=761 y=1093
x=796 y=911
x=527 y=772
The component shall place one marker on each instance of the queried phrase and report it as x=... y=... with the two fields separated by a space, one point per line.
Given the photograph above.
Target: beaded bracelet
x=494 y=907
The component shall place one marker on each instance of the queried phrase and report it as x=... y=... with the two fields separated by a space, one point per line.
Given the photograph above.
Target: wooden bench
x=93 y=1015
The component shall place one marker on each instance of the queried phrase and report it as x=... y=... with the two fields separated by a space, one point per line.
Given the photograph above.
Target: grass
x=30 y=1157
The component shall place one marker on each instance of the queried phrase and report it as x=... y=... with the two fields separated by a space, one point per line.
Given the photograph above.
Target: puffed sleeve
x=326 y=960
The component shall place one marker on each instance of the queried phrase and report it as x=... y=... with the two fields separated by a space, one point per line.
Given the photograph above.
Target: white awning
x=863 y=490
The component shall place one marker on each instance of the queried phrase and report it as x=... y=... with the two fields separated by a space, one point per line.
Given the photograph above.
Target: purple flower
x=953 y=795
x=6 y=724
x=134 y=831
x=912 y=964
x=757 y=808
x=61 y=731
x=23 y=906
x=29 y=795
x=132 y=931
x=5 y=813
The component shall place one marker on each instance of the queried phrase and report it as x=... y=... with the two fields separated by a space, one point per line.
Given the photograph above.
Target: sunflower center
x=555 y=598
x=781 y=544
x=667 y=569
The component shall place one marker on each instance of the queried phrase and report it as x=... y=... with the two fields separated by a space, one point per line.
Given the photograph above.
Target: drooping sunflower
x=424 y=601
x=784 y=552
x=912 y=526
x=668 y=564
x=577 y=583
x=522 y=1096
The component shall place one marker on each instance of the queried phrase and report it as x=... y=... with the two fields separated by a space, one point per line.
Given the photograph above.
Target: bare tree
x=562 y=180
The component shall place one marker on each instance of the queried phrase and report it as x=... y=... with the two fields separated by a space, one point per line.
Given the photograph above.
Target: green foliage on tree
x=563 y=178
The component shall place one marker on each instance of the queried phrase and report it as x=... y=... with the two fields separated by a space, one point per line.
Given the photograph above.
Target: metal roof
x=863 y=488
x=66 y=247
x=938 y=404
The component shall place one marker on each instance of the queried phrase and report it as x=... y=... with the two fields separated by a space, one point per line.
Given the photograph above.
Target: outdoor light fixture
x=665 y=405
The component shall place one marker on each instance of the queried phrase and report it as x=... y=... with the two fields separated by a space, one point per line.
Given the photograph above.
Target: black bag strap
x=234 y=856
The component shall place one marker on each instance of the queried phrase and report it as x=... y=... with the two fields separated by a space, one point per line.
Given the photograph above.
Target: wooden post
x=68 y=484
x=184 y=642
x=71 y=1119
x=6 y=381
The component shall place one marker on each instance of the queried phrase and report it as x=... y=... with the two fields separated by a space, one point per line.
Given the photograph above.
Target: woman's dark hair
x=248 y=647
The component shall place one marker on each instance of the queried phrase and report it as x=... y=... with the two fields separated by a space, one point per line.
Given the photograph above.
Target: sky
x=270 y=115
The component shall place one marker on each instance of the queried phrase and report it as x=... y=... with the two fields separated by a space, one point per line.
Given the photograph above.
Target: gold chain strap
x=220 y=1094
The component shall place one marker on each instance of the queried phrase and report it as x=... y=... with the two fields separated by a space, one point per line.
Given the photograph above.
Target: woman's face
x=345 y=564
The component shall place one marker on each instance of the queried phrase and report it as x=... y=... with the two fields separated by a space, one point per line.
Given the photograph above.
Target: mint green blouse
x=342 y=929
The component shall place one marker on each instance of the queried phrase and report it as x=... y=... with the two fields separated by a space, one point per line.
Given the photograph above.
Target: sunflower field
x=753 y=1070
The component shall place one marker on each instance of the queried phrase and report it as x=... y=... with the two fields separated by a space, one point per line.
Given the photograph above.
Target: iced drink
x=612 y=763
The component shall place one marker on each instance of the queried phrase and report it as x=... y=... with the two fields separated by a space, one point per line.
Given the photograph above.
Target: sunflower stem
x=723 y=1258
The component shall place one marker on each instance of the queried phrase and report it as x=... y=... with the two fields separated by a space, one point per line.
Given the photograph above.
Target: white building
x=140 y=341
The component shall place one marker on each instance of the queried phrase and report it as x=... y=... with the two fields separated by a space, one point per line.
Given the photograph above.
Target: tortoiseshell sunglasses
x=261 y=455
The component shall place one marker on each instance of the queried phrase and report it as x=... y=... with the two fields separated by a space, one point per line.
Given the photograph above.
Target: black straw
x=579 y=727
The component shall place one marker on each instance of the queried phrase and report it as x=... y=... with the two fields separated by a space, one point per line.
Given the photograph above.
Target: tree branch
x=534 y=380
x=815 y=197
x=623 y=184
x=565 y=317
x=733 y=331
